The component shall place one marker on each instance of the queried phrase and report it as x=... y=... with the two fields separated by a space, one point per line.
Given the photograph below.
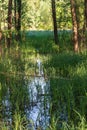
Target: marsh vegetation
x=36 y=78
x=43 y=65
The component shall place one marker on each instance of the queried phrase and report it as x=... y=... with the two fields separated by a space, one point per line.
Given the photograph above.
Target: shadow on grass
x=43 y=41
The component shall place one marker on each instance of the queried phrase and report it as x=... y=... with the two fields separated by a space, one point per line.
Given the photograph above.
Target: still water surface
x=38 y=111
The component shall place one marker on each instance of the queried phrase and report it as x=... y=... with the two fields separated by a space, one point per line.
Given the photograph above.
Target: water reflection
x=6 y=112
x=37 y=111
x=39 y=100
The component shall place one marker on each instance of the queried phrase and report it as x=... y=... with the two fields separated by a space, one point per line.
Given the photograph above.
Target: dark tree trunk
x=85 y=23
x=18 y=27
x=75 y=26
x=85 y=12
x=0 y=43
x=54 y=21
x=15 y=9
x=9 y=22
x=0 y=36
x=0 y=25
x=15 y=19
x=19 y=15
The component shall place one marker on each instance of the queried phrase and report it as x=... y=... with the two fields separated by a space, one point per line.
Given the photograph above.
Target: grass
x=66 y=71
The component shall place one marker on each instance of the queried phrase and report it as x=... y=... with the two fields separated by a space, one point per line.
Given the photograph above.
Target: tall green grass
x=66 y=71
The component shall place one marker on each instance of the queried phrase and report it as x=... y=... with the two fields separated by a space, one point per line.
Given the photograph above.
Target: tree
x=63 y=13
x=9 y=22
x=81 y=11
x=85 y=13
x=17 y=17
x=75 y=26
x=85 y=22
x=54 y=21
x=1 y=17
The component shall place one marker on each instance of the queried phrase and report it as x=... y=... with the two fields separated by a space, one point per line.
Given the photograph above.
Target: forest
x=43 y=64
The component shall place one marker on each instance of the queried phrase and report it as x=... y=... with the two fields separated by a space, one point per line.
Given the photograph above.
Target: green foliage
x=64 y=14
x=36 y=14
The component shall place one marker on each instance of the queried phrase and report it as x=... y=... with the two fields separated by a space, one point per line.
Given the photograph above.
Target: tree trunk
x=54 y=21
x=15 y=19
x=15 y=9
x=1 y=24
x=9 y=23
x=75 y=26
x=85 y=22
x=79 y=24
x=18 y=27
x=0 y=36
x=85 y=12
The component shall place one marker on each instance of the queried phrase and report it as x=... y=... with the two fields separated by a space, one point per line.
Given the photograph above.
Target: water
x=38 y=111
x=39 y=100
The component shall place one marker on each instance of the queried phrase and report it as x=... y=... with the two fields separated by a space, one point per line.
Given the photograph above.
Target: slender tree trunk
x=15 y=19
x=18 y=27
x=85 y=12
x=0 y=24
x=15 y=9
x=19 y=15
x=85 y=22
x=80 y=24
x=54 y=21
x=75 y=26
x=0 y=32
x=0 y=36
x=9 y=22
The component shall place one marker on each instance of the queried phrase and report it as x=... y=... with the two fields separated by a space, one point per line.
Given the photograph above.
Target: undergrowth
x=66 y=71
